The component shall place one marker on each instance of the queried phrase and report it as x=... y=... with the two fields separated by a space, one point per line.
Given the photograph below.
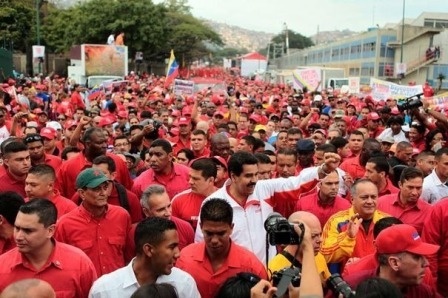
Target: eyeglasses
x=35 y=138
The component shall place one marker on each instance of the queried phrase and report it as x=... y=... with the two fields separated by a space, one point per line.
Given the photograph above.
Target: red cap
x=70 y=123
x=373 y=116
x=183 y=121
x=105 y=121
x=395 y=111
x=38 y=111
x=256 y=118
x=403 y=238
x=174 y=131
x=48 y=132
x=175 y=113
x=244 y=110
x=220 y=160
x=219 y=113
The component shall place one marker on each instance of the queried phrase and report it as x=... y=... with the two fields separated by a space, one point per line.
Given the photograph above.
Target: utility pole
x=38 y=32
x=285 y=27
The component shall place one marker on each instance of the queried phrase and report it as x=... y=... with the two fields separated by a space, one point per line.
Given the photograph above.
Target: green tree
x=296 y=40
x=15 y=24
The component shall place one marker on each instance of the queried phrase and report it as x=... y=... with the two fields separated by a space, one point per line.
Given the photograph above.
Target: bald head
x=203 y=125
x=306 y=217
x=29 y=288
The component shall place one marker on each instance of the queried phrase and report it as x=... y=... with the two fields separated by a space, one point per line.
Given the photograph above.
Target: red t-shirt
x=175 y=182
x=9 y=183
x=69 y=170
x=63 y=205
x=68 y=270
x=194 y=260
x=311 y=203
x=187 y=206
x=104 y=239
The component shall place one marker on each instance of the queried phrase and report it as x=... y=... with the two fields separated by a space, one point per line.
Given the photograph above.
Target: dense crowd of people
x=131 y=190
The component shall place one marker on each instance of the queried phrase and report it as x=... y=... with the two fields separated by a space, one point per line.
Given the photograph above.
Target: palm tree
x=441 y=77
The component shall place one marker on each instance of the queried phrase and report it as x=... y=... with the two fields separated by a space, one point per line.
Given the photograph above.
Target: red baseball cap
x=220 y=160
x=48 y=132
x=403 y=238
x=219 y=113
x=255 y=117
x=183 y=121
x=70 y=123
x=373 y=116
x=105 y=121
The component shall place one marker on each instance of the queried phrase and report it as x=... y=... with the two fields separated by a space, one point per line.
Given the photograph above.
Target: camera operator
x=286 y=258
x=310 y=285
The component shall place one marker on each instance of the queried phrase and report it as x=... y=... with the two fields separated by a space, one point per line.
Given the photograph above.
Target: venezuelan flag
x=173 y=70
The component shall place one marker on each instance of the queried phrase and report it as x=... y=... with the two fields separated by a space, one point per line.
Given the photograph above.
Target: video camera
x=339 y=286
x=410 y=103
x=281 y=231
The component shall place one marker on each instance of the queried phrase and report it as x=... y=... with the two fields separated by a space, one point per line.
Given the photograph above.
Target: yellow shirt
x=280 y=261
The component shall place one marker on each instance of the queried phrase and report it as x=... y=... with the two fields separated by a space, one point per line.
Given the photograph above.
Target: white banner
x=183 y=87
x=307 y=77
x=354 y=85
x=38 y=51
x=382 y=90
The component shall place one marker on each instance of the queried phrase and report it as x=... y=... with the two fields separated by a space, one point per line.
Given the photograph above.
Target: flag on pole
x=173 y=70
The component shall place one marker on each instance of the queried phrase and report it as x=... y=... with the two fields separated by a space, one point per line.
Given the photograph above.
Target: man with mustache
x=162 y=171
x=252 y=201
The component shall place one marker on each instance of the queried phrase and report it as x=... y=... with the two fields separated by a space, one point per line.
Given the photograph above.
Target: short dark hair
x=189 y=154
x=357 y=132
x=151 y=230
x=269 y=153
x=419 y=127
x=43 y=170
x=377 y=287
x=6 y=142
x=240 y=159
x=287 y=151
x=197 y=132
x=294 y=131
x=217 y=210
x=424 y=154
x=250 y=140
x=395 y=120
x=104 y=159
x=122 y=137
x=238 y=286
x=327 y=148
x=10 y=203
x=43 y=208
x=162 y=290
x=411 y=173
x=383 y=223
x=262 y=158
x=67 y=150
x=166 y=146
x=354 y=187
x=14 y=147
x=440 y=152
x=33 y=137
x=403 y=145
x=206 y=166
x=381 y=164
x=258 y=143
x=339 y=142
x=87 y=136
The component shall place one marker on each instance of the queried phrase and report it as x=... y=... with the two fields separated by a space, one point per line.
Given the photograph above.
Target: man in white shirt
x=434 y=185
x=253 y=201
x=157 y=247
x=395 y=130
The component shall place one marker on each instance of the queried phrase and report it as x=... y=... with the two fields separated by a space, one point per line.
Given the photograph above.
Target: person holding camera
x=310 y=280
x=292 y=254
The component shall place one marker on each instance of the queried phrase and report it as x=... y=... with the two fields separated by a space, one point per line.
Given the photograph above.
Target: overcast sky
x=305 y=16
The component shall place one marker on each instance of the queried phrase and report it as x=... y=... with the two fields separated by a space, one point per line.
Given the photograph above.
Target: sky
x=304 y=17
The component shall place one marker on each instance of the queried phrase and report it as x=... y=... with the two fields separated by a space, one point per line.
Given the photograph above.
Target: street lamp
x=402 y=32
x=285 y=27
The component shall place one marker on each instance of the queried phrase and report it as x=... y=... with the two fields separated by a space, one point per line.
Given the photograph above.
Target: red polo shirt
x=389 y=189
x=175 y=182
x=370 y=262
x=9 y=183
x=63 y=205
x=102 y=239
x=69 y=170
x=187 y=206
x=135 y=209
x=68 y=270
x=420 y=145
x=194 y=260
x=53 y=161
x=179 y=145
x=205 y=153
x=352 y=167
x=313 y=204
x=413 y=215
